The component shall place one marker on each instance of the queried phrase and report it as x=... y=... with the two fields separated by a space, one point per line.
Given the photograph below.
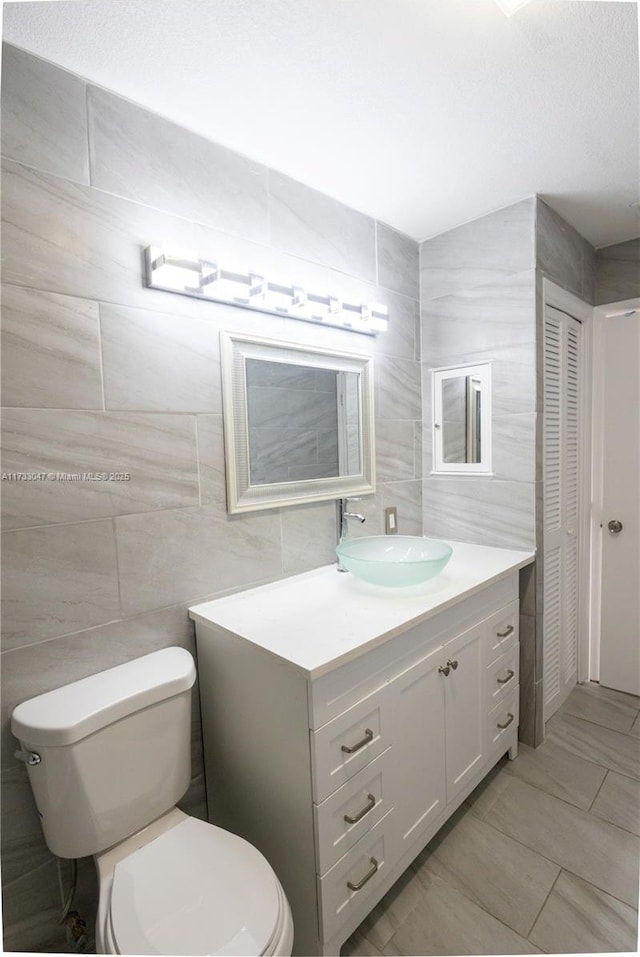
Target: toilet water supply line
x=75 y=926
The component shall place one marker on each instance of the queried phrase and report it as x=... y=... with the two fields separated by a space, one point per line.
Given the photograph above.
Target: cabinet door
x=418 y=746
x=464 y=708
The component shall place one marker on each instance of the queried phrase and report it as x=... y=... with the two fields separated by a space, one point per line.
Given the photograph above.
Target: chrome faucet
x=343 y=515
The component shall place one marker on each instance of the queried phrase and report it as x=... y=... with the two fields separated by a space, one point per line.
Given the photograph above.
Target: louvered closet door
x=561 y=454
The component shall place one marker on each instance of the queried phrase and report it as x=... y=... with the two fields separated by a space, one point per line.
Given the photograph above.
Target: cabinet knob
x=452 y=662
x=444 y=670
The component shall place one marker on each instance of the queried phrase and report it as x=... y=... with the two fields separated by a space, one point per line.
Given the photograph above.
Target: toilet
x=108 y=757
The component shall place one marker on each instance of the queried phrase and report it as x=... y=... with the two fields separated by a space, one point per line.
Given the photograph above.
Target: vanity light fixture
x=182 y=271
x=509 y=7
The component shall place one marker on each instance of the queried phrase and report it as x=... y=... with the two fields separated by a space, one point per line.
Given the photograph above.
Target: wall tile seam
x=101 y=357
x=402 y=481
x=82 y=521
x=513 y=415
x=117 y=568
x=199 y=462
x=209 y=225
x=109 y=412
x=475 y=479
x=138 y=203
x=210 y=596
x=89 y=84
x=281 y=533
x=87 y=117
x=8 y=886
x=170 y=508
x=125 y=304
x=104 y=518
x=195 y=318
x=20 y=649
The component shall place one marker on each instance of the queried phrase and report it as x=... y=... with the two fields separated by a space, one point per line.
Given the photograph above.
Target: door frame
x=559 y=298
x=600 y=315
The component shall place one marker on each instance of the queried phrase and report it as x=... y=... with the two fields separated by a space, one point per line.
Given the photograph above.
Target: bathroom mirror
x=462 y=419
x=298 y=423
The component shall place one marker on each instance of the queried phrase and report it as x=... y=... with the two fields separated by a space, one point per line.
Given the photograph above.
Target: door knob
x=614 y=526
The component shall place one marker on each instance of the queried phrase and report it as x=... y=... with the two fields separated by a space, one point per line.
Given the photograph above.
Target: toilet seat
x=196 y=889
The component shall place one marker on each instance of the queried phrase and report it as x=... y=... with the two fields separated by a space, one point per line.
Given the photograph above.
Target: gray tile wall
x=481 y=301
x=478 y=305
x=617 y=271
x=563 y=254
x=100 y=373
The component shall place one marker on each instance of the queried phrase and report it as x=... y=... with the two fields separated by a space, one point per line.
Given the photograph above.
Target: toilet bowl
x=187 y=887
x=108 y=758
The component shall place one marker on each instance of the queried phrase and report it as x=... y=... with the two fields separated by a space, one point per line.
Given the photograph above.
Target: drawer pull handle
x=507 y=722
x=505 y=634
x=367 y=876
x=452 y=663
x=444 y=670
x=369 y=806
x=503 y=681
x=368 y=736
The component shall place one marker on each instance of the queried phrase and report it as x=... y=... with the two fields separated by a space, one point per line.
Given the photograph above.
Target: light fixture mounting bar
x=509 y=7
x=185 y=273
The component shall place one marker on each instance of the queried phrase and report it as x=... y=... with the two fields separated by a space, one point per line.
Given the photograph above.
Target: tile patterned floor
x=543 y=857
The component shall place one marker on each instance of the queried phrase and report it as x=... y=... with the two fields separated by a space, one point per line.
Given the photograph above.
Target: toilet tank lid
x=68 y=714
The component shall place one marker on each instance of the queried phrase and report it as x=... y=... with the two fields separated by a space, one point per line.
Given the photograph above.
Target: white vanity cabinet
x=464 y=700
x=340 y=754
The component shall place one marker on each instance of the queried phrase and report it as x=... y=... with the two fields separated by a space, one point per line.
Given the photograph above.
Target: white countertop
x=324 y=618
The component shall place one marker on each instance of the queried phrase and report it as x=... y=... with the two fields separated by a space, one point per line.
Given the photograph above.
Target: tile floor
x=542 y=857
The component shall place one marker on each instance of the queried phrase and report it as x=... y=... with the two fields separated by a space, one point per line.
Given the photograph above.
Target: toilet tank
x=114 y=750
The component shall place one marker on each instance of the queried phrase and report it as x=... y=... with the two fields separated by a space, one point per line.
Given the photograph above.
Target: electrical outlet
x=391 y=520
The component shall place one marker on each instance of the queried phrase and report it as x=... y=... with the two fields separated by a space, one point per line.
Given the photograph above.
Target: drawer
x=352 y=887
x=344 y=746
x=503 y=720
x=501 y=631
x=502 y=676
x=346 y=816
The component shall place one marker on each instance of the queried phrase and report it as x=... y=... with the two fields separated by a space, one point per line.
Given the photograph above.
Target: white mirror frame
x=439 y=376
x=235 y=349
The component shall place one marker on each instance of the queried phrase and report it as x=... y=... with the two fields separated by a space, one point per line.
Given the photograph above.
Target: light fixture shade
x=185 y=272
x=509 y=7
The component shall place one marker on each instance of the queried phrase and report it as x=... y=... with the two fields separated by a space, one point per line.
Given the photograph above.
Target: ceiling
x=422 y=113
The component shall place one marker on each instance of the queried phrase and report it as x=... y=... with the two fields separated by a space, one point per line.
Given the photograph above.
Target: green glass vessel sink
x=394 y=560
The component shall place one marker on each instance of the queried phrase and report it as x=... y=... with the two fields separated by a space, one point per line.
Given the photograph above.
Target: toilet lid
x=195 y=890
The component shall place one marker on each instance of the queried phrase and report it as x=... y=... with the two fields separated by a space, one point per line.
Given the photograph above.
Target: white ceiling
x=422 y=113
